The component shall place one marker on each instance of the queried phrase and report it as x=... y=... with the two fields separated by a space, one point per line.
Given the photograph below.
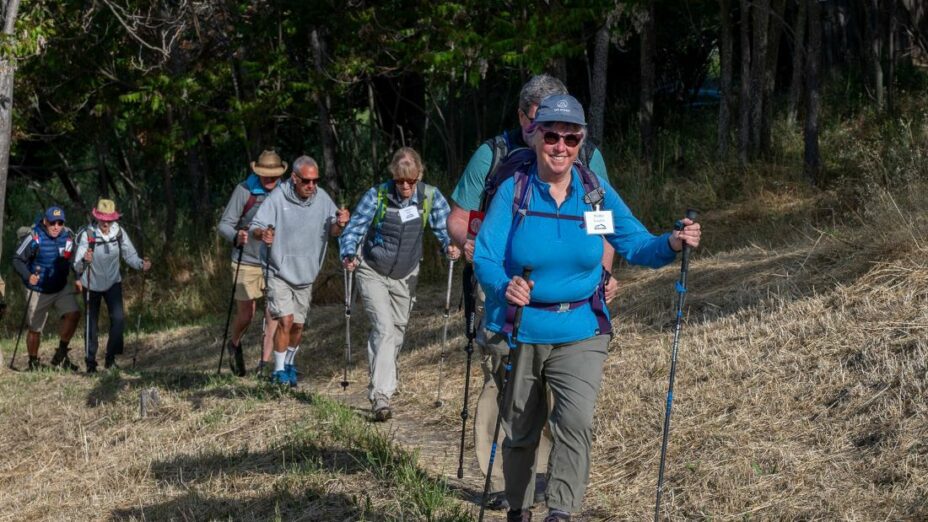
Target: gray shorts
x=65 y=301
x=283 y=300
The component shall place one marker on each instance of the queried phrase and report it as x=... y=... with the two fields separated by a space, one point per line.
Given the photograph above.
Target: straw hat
x=269 y=165
x=105 y=210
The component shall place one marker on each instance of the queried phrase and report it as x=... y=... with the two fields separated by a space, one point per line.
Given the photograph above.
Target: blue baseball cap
x=560 y=108
x=54 y=213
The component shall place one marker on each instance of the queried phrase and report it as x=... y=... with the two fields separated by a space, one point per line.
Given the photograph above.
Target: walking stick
x=349 y=280
x=470 y=316
x=509 y=367
x=138 y=316
x=444 y=335
x=681 y=297
x=225 y=331
x=91 y=245
x=22 y=324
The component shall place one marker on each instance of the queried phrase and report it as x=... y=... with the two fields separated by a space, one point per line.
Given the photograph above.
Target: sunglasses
x=56 y=223
x=571 y=140
x=404 y=181
x=307 y=181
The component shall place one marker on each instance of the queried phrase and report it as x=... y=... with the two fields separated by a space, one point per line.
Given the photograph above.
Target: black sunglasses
x=307 y=181
x=57 y=223
x=571 y=140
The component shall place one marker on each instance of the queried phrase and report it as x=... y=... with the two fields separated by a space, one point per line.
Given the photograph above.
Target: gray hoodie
x=253 y=252
x=301 y=232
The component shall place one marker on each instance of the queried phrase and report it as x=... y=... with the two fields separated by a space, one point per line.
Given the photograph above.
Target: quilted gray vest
x=393 y=248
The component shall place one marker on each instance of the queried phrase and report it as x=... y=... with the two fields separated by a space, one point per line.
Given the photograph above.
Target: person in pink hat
x=100 y=276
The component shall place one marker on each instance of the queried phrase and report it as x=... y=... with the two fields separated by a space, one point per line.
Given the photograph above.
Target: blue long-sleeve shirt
x=363 y=214
x=566 y=261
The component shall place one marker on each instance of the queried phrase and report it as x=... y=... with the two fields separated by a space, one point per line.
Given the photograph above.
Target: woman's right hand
x=88 y=256
x=34 y=279
x=350 y=263
x=519 y=291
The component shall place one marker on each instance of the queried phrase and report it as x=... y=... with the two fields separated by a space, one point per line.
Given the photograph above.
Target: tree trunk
x=874 y=50
x=799 y=42
x=725 y=59
x=598 y=86
x=758 y=70
x=891 y=48
x=325 y=125
x=7 y=71
x=812 y=159
x=646 y=109
x=775 y=30
x=744 y=132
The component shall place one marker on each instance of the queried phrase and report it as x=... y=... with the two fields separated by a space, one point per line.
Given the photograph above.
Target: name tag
x=409 y=213
x=599 y=222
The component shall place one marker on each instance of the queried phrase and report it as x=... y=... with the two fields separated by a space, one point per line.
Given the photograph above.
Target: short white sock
x=279 y=360
x=291 y=353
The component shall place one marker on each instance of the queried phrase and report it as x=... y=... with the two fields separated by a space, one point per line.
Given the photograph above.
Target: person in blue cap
x=565 y=330
x=43 y=261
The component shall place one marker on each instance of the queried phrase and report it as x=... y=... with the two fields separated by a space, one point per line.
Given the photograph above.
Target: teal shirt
x=469 y=190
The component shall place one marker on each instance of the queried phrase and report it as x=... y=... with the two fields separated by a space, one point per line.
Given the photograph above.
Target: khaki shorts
x=283 y=299
x=65 y=301
x=250 y=283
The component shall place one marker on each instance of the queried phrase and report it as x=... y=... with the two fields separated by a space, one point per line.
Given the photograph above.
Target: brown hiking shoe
x=381 y=409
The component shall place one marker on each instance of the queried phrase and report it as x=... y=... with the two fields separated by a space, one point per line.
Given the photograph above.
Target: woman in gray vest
x=388 y=224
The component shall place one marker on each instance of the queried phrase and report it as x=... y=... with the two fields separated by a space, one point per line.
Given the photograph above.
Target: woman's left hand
x=690 y=235
x=453 y=252
x=146 y=265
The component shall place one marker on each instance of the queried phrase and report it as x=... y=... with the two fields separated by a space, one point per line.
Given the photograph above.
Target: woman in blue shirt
x=542 y=218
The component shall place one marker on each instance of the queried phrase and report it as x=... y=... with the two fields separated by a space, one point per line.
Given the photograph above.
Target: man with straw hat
x=233 y=227
x=99 y=268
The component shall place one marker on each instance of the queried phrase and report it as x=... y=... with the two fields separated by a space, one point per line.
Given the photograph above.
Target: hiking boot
x=519 y=515
x=291 y=374
x=110 y=363
x=236 y=359
x=381 y=410
x=34 y=364
x=497 y=501
x=261 y=370
x=239 y=360
x=62 y=361
x=557 y=516
x=280 y=377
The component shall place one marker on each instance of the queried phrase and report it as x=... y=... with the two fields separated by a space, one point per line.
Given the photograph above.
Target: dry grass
x=800 y=396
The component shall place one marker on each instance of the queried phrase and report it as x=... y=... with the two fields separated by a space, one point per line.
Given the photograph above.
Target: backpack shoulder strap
x=427 y=202
x=593 y=192
x=586 y=152
x=249 y=204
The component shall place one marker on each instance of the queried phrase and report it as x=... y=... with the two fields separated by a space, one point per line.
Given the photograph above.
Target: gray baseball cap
x=560 y=108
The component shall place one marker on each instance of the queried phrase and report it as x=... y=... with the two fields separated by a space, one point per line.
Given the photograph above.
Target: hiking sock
x=279 y=360
x=291 y=354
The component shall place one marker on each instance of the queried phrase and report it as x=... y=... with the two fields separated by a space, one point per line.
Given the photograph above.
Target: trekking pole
x=349 y=279
x=138 y=316
x=267 y=270
x=91 y=245
x=470 y=316
x=225 y=331
x=681 y=297
x=22 y=324
x=508 y=367
x=444 y=335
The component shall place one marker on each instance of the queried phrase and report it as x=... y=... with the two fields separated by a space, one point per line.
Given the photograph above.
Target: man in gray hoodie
x=295 y=223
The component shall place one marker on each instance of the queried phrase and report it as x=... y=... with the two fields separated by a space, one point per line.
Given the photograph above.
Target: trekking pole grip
x=691 y=214
x=517 y=320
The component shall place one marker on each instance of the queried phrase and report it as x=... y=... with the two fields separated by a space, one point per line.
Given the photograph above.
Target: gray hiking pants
x=387 y=302
x=573 y=373
x=493 y=349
